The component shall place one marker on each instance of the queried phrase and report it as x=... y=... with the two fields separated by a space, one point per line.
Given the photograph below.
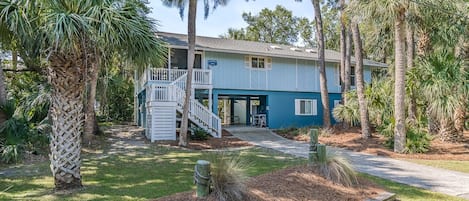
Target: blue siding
x=281 y=112
x=286 y=74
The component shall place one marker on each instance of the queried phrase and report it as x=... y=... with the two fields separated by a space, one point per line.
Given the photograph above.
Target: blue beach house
x=236 y=83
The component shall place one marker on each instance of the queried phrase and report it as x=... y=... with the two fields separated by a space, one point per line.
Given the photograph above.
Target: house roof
x=255 y=48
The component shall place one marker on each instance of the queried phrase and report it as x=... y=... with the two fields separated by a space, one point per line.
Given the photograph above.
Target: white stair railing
x=199 y=114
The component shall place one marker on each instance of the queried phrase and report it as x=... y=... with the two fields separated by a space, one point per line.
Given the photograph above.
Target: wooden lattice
x=66 y=77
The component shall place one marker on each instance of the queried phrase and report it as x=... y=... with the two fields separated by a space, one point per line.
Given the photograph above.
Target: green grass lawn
x=409 y=193
x=139 y=175
x=155 y=172
x=461 y=166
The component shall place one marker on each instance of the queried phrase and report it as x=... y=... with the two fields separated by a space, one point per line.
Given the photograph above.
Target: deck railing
x=199 y=76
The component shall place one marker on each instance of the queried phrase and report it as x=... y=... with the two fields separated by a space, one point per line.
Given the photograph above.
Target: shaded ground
x=295 y=183
x=350 y=139
x=421 y=176
x=226 y=141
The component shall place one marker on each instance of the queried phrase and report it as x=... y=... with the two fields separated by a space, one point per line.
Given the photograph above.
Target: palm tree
x=364 y=119
x=68 y=31
x=443 y=83
x=191 y=31
x=322 y=65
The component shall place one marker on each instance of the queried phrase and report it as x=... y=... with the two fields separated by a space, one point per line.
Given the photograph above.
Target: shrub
x=418 y=141
x=228 y=177
x=347 y=113
x=199 y=134
x=337 y=169
x=10 y=153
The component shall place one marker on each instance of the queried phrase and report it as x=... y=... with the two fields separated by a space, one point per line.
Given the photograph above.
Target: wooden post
x=321 y=153
x=202 y=178
x=313 y=139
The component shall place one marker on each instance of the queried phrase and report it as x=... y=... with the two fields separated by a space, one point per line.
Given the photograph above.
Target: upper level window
x=352 y=75
x=257 y=62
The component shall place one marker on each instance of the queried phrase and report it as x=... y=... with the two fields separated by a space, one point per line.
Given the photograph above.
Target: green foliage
x=9 y=153
x=18 y=134
x=271 y=26
x=228 y=177
x=116 y=99
x=199 y=134
x=337 y=169
x=348 y=112
x=418 y=141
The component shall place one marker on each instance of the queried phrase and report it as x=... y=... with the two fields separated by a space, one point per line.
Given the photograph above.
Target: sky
x=223 y=17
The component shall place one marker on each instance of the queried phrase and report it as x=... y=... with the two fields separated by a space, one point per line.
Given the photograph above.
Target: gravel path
x=434 y=179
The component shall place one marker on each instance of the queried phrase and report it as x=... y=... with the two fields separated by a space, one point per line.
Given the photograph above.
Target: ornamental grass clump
x=228 y=177
x=337 y=169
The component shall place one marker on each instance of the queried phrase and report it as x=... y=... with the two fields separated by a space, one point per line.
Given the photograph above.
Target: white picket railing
x=199 y=76
x=200 y=115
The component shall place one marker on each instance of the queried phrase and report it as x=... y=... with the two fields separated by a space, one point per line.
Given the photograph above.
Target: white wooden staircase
x=165 y=97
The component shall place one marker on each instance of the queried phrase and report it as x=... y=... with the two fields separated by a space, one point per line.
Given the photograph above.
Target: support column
x=248 y=111
x=232 y=102
x=215 y=102
x=210 y=99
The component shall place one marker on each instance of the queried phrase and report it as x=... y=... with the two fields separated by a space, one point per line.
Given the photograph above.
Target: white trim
x=267 y=62
x=313 y=107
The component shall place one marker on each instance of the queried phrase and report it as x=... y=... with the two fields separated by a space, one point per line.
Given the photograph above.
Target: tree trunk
x=91 y=128
x=322 y=65
x=412 y=108
x=399 y=82
x=66 y=77
x=190 y=64
x=343 y=57
x=348 y=61
x=462 y=52
x=3 y=93
x=360 y=83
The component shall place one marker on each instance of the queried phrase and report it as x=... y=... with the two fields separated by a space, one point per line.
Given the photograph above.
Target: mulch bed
x=295 y=184
x=226 y=141
x=351 y=139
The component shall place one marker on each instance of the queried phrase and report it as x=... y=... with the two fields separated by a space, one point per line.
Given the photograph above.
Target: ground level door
x=241 y=110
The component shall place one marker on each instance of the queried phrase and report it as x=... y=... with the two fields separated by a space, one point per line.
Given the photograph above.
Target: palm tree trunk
x=348 y=60
x=66 y=77
x=360 y=83
x=424 y=43
x=190 y=65
x=322 y=65
x=462 y=51
x=399 y=82
x=343 y=30
x=3 y=91
x=412 y=109
x=91 y=127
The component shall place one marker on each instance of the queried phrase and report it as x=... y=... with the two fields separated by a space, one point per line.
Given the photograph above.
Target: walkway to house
x=434 y=179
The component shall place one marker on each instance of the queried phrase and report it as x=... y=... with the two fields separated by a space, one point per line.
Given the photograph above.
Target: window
x=352 y=75
x=306 y=107
x=256 y=62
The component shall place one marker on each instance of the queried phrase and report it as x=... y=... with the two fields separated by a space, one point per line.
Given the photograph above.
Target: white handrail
x=175 y=91
x=197 y=110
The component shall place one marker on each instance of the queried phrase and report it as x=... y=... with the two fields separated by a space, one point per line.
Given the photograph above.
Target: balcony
x=201 y=78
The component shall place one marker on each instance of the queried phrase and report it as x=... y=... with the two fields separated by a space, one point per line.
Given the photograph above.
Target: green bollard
x=313 y=157
x=313 y=139
x=202 y=178
x=321 y=153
